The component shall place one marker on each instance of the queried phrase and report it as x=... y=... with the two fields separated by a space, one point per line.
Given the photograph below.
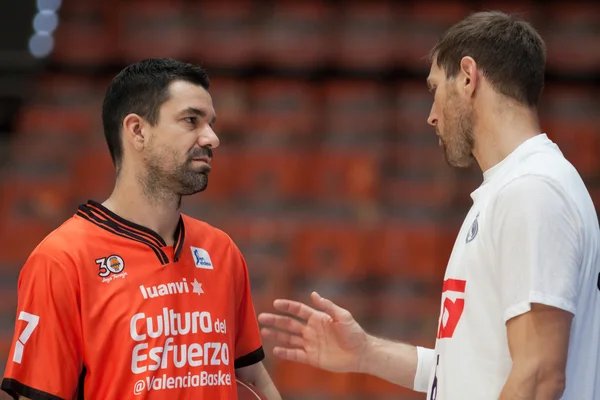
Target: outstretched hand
x=326 y=336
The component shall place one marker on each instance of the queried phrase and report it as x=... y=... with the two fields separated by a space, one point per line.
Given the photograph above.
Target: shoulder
x=65 y=244
x=535 y=202
x=208 y=232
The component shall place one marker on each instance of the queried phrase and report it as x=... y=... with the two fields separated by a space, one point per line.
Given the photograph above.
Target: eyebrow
x=200 y=113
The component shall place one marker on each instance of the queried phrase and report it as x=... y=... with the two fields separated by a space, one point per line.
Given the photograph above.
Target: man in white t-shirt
x=520 y=306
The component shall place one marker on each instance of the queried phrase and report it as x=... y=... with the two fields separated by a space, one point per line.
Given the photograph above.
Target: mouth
x=206 y=160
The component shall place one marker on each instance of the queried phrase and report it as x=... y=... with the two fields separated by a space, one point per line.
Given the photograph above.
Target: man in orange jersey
x=130 y=299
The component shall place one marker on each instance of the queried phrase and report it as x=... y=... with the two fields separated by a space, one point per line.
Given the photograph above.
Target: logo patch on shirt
x=201 y=258
x=473 y=230
x=110 y=268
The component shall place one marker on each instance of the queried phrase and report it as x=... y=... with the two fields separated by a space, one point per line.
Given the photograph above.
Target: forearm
x=265 y=384
x=531 y=384
x=269 y=389
x=393 y=361
x=258 y=376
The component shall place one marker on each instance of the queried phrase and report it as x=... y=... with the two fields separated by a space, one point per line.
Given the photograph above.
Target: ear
x=468 y=75
x=133 y=131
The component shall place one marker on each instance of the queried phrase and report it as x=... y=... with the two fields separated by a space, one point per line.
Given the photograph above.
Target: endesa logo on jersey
x=174 y=354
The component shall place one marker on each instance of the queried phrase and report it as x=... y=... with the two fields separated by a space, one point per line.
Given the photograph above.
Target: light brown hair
x=509 y=51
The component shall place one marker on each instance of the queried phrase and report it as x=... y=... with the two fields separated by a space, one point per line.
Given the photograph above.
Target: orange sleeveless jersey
x=107 y=311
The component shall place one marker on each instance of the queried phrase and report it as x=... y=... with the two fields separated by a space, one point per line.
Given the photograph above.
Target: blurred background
x=328 y=176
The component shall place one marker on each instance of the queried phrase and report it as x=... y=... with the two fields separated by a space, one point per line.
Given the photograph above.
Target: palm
x=330 y=339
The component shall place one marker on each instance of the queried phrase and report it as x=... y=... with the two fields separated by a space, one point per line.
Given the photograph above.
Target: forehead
x=185 y=94
x=436 y=74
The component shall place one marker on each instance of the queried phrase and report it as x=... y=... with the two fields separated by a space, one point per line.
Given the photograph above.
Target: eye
x=191 y=120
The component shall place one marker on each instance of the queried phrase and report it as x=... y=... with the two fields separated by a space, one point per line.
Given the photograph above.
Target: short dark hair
x=142 y=88
x=510 y=52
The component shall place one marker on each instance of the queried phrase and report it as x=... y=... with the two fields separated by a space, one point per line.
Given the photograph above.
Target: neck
x=133 y=201
x=500 y=131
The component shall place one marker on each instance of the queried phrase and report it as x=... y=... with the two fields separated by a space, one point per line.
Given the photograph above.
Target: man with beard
x=131 y=298
x=520 y=312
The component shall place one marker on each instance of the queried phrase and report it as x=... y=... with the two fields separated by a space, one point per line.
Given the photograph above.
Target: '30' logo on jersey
x=111 y=265
x=452 y=309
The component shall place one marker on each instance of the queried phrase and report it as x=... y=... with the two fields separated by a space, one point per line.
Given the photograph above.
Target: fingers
x=330 y=308
x=281 y=322
x=296 y=355
x=283 y=339
x=296 y=308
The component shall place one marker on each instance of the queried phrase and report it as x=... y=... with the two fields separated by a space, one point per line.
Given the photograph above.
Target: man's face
x=179 y=150
x=453 y=118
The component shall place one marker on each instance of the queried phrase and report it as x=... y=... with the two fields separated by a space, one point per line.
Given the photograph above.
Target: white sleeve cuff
x=425 y=364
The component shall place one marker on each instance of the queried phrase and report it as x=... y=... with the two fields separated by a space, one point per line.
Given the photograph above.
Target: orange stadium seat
x=420 y=26
x=222 y=177
x=93 y=175
x=231 y=100
x=413 y=105
x=579 y=142
x=20 y=239
x=366 y=34
x=8 y=292
x=296 y=34
x=67 y=90
x=418 y=193
x=6 y=340
x=54 y=118
x=30 y=207
x=358 y=113
x=152 y=28
x=330 y=250
x=569 y=117
x=282 y=111
x=572 y=36
x=295 y=379
x=344 y=176
x=264 y=174
x=412 y=250
x=33 y=149
x=86 y=34
x=223 y=33
x=374 y=388
x=417 y=158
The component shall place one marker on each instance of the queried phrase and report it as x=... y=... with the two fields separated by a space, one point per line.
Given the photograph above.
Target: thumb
x=330 y=308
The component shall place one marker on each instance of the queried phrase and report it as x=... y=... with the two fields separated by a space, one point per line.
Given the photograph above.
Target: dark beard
x=185 y=180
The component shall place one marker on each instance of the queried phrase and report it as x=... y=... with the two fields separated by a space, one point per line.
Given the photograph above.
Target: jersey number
x=32 y=323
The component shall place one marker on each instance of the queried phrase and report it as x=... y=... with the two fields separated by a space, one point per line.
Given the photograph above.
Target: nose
x=432 y=119
x=208 y=137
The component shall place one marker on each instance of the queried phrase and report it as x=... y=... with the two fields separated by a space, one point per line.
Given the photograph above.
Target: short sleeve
x=536 y=241
x=45 y=359
x=248 y=345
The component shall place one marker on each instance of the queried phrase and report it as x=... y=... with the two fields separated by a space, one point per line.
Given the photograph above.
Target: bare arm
x=257 y=375
x=392 y=361
x=538 y=342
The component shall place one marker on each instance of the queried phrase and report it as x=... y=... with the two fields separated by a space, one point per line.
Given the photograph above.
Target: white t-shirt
x=531 y=236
